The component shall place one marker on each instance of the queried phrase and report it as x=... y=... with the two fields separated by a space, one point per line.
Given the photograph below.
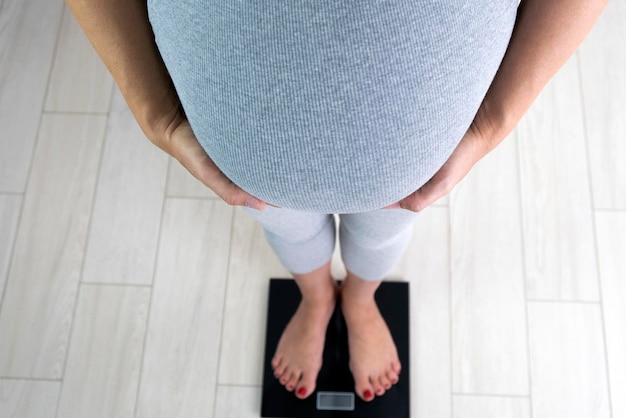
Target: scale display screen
x=335 y=401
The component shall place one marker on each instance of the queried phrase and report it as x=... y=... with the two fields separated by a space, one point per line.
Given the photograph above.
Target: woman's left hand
x=472 y=148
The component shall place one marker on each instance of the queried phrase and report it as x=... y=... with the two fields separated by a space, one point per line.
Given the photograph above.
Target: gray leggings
x=371 y=242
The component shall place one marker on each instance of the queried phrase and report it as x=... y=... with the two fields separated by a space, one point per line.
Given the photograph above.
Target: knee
x=297 y=234
x=292 y=227
x=375 y=239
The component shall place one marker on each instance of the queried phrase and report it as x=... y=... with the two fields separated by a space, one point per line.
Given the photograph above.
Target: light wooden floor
x=128 y=290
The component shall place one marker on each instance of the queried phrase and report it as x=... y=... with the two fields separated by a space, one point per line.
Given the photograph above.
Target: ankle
x=318 y=286
x=356 y=303
x=356 y=291
x=320 y=299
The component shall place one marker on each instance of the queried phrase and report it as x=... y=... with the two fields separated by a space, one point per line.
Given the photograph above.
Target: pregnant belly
x=329 y=107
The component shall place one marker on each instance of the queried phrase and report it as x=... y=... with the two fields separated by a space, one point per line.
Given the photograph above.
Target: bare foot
x=374 y=358
x=298 y=358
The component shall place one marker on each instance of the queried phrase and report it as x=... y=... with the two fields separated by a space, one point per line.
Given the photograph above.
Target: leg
x=304 y=243
x=298 y=357
x=371 y=243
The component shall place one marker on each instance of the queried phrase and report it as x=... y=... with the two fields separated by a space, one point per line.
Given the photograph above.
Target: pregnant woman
x=370 y=109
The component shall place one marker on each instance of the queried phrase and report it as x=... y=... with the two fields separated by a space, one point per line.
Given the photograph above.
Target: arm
x=120 y=32
x=545 y=35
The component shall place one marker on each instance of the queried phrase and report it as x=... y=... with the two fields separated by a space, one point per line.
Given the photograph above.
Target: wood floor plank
x=556 y=202
x=179 y=374
x=28 y=32
x=252 y=264
x=491 y=407
x=104 y=359
x=180 y=183
x=567 y=361
x=426 y=265
x=9 y=212
x=49 y=249
x=444 y=201
x=611 y=232
x=238 y=402
x=28 y=398
x=602 y=63
x=489 y=347
x=79 y=81
x=127 y=210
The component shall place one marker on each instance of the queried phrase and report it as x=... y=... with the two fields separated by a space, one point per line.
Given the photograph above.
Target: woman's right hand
x=179 y=141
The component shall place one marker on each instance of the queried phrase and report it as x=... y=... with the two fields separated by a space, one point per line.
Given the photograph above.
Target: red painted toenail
x=368 y=394
x=301 y=391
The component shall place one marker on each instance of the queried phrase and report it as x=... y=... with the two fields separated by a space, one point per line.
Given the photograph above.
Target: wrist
x=491 y=125
x=162 y=123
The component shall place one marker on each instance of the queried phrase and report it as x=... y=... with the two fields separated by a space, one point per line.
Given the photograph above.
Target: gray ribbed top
x=331 y=106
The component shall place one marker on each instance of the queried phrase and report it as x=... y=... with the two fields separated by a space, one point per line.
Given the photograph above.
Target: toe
x=276 y=361
x=396 y=367
x=293 y=380
x=384 y=381
x=286 y=377
x=280 y=370
x=363 y=388
x=378 y=388
x=306 y=386
x=392 y=377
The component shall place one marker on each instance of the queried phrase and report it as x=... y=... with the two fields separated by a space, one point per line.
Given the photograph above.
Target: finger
x=229 y=191
x=422 y=198
x=236 y=196
x=212 y=177
x=200 y=165
x=188 y=151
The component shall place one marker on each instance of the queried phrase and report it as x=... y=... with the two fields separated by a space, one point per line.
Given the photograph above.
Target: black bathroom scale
x=334 y=395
